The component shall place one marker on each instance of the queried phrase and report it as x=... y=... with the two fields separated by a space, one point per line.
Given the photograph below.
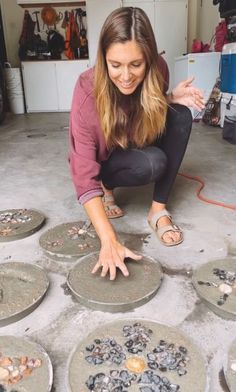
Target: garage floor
x=35 y=174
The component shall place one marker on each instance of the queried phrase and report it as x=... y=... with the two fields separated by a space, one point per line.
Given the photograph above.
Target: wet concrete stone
x=216 y=292
x=120 y=295
x=22 y=288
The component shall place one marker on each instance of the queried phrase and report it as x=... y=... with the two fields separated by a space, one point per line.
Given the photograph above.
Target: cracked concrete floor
x=34 y=174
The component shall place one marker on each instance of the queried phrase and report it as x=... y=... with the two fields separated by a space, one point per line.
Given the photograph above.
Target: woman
x=124 y=132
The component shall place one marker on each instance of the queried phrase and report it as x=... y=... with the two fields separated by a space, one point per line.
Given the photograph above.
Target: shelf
x=58 y=4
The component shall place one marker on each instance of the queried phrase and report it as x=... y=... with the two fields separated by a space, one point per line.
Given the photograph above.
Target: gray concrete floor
x=34 y=174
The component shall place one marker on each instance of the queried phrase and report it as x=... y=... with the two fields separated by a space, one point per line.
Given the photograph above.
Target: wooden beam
x=64 y=4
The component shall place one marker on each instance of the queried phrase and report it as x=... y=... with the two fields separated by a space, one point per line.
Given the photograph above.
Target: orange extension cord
x=201 y=186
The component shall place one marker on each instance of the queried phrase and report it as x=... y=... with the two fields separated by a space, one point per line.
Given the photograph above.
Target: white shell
x=233 y=366
x=225 y=288
x=4 y=374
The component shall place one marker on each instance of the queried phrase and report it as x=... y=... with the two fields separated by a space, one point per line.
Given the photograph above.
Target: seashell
x=27 y=372
x=37 y=363
x=152 y=365
x=135 y=364
x=90 y=383
x=30 y=363
x=14 y=380
x=23 y=360
x=117 y=360
x=162 y=368
x=151 y=357
x=156 y=379
x=90 y=347
x=15 y=373
x=145 y=378
x=4 y=374
x=114 y=373
x=5 y=361
x=22 y=368
x=183 y=350
x=182 y=371
x=225 y=288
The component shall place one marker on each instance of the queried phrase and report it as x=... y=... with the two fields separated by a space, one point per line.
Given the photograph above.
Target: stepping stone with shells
x=230 y=368
x=69 y=241
x=24 y=366
x=136 y=356
x=215 y=283
x=19 y=223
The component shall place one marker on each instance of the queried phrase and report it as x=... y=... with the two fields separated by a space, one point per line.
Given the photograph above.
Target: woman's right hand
x=112 y=256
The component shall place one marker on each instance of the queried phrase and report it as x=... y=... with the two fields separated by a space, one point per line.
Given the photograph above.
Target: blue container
x=228 y=69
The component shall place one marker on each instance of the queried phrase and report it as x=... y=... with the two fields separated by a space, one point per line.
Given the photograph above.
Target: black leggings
x=158 y=163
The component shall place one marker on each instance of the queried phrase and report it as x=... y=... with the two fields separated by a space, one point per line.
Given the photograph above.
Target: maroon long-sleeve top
x=87 y=143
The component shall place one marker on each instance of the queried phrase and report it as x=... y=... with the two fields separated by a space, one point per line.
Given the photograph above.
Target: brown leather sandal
x=110 y=205
x=153 y=222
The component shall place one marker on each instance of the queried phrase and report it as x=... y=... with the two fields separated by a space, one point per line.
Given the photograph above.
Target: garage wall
x=12 y=16
x=203 y=18
x=193 y=10
x=208 y=19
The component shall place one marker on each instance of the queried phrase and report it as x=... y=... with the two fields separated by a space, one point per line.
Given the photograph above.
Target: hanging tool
x=65 y=20
x=37 y=19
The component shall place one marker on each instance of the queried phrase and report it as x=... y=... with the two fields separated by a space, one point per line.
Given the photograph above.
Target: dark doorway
x=3 y=59
x=3 y=53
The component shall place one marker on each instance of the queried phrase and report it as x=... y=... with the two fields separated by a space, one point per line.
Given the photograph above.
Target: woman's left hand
x=186 y=94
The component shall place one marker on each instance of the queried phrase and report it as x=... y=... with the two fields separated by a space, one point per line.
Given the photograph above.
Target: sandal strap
x=162 y=230
x=109 y=203
x=108 y=198
x=110 y=207
x=155 y=218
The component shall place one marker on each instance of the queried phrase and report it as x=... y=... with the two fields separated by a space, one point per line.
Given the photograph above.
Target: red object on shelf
x=220 y=36
x=199 y=47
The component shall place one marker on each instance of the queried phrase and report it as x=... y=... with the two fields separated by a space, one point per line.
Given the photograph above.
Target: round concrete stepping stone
x=22 y=288
x=16 y=224
x=32 y=366
x=230 y=368
x=215 y=283
x=136 y=355
x=119 y=295
x=69 y=241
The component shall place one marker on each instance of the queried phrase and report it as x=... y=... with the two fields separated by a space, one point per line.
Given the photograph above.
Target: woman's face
x=126 y=66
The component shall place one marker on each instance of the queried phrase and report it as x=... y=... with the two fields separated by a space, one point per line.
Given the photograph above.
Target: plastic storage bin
x=228 y=69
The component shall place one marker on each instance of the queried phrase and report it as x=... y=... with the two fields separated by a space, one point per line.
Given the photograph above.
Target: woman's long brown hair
x=148 y=104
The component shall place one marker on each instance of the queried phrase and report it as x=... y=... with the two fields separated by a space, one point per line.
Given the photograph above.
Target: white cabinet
x=49 y=85
x=171 y=18
x=97 y=11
